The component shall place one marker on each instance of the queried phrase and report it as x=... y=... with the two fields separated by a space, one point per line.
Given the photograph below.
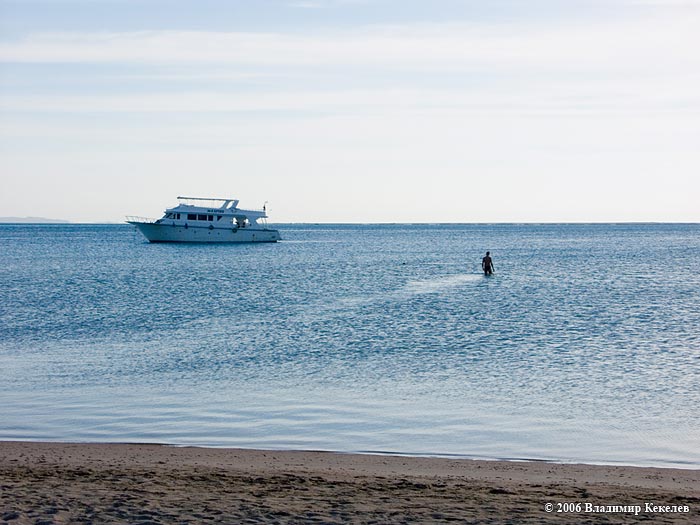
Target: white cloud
x=655 y=42
x=532 y=96
x=615 y=66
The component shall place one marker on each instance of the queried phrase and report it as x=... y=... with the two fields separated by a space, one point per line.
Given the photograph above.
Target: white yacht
x=193 y=221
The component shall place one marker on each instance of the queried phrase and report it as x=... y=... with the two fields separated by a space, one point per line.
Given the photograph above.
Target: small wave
x=408 y=290
x=439 y=284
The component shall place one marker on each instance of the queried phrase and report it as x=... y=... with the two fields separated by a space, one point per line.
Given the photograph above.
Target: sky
x=357 y=111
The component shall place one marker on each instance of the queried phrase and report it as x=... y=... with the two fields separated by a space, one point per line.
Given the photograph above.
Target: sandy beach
x=43 y=483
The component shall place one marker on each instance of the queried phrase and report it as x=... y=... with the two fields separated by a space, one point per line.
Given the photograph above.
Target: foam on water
x=407 y=291
x=441 y=284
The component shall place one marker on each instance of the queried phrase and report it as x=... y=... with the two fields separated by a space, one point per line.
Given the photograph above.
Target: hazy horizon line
x=59 y=222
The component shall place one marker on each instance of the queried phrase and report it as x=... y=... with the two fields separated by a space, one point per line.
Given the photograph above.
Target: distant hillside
x=33 y=220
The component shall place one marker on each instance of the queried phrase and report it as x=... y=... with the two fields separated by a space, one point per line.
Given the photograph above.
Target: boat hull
x=176 y=233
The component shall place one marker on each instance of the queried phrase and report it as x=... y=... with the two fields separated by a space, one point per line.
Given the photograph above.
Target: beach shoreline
x=46 y=483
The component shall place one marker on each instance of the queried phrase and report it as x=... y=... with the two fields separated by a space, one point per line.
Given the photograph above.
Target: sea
x=584 y=346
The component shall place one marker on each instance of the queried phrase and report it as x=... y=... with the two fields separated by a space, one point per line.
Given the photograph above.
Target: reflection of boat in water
x=188 y=222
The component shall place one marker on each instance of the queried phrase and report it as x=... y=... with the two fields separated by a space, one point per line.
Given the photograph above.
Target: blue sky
x=353 y=110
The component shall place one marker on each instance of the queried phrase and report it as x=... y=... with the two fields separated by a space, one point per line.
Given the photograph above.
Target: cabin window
x=177 y=216
x=210 y=218
x=191 y=216
x=218 y=217
x=201 y=217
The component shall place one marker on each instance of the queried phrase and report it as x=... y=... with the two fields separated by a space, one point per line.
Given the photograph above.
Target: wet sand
x=43 y=483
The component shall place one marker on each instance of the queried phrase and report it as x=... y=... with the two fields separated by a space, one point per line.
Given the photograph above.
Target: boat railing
x=147 y=220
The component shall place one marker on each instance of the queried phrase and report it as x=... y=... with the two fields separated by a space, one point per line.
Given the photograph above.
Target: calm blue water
x=585 y=345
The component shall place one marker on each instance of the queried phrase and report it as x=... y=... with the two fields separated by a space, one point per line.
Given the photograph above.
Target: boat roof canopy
x=225 y=205
x=228 y=206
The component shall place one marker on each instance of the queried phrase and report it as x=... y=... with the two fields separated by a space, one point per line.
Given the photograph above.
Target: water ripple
x=583 y=347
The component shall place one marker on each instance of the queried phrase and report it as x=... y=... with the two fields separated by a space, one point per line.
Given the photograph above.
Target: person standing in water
x=487 y=264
